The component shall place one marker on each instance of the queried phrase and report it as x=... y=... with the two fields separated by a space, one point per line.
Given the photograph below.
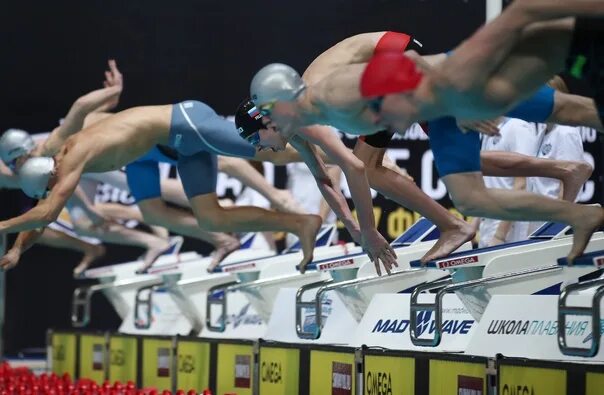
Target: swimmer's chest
x=355 y=119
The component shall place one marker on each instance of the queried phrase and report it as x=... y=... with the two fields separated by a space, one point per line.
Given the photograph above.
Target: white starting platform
x=257 y=288
x=120 y=283
x=519 y=299
x=512 y=319
x=527 y=269
x=197 y=304
x=328 y=311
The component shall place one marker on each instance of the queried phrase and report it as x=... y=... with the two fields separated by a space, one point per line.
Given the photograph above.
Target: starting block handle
x=436 y=307
x=592 y=311
x=220 y=301
x=300 y=305
x=141 y=302
x=80 y=306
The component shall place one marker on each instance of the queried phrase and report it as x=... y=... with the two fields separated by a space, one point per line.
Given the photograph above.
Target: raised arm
x=98 y=100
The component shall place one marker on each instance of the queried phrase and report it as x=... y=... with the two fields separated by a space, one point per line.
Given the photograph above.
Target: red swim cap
x=389 y=72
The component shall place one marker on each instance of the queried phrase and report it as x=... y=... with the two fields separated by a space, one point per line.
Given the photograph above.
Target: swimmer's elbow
x=46 y=218
x=354 y=166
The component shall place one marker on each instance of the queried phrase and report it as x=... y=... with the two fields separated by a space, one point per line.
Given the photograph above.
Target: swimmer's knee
x=212 y=220
x=82 y=226
x=470 y=205
x=499 y=95
x=370 y=156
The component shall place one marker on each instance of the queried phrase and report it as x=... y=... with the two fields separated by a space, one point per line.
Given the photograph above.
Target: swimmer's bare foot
x=228 y=244
x=151 y=256
x=282 y=200
x=91 y=254
x=576 y=173
x=585 y=224
x=309 y=226
x=450 y=240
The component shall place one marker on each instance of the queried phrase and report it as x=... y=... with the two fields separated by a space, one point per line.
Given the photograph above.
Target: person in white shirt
x=555 y=142
x=517 y=136
x=301 y=184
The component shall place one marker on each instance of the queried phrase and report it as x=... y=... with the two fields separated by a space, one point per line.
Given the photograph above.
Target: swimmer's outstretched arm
x=477 y=57
x=23 y=242
x=372 y=241
x=288 y=155
x=46 y=210
x=98 y=100
x=331 y=193
x=540 y=10
x=353 y=168
x=279 y=158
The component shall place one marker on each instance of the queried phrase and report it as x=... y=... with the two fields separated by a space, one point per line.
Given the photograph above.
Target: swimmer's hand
x=107 y=98
x=10 y=260
x=378 y=250
x=490 y=128
x=115 y=81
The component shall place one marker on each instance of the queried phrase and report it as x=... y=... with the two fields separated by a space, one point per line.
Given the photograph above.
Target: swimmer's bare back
x=120 y=139
x=352 y=50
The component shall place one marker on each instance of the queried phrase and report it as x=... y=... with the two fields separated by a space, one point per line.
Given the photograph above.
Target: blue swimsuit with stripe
x=197 y=135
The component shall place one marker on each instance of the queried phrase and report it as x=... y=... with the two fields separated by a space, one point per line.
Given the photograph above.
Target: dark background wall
x=52 y=52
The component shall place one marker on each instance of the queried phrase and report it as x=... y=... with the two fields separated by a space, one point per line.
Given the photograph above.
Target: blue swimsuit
x=197 y=135
x=458 y=152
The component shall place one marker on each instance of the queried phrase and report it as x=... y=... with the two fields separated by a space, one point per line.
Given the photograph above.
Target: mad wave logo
x=423 y=322
x=425 y=325
x=310 y=320
x=244 y=318
x=590 y=337
x=547 y=148
x=457 y=262
x=535 y=327
x=390 y=326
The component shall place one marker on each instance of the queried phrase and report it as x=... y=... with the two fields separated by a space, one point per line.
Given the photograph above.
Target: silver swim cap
x=275 y=82
x=15 y=143
x=34 y=176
